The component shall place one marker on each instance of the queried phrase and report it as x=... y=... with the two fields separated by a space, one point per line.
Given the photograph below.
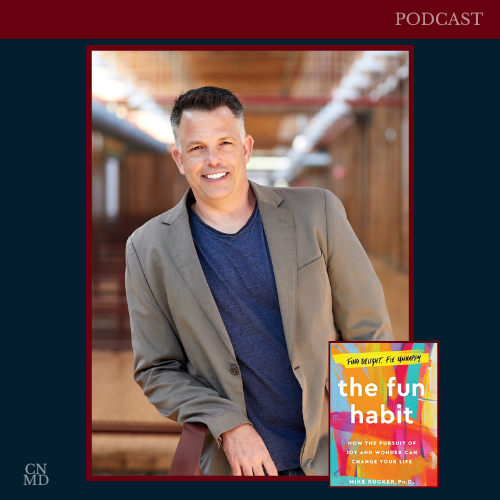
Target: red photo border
x=244 y=46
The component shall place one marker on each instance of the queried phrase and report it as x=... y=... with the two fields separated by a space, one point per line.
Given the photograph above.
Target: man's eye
x=195 y=148
x=225 y=142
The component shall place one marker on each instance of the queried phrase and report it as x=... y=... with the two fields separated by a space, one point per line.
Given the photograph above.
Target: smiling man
x=234 y=294
x=212 y=151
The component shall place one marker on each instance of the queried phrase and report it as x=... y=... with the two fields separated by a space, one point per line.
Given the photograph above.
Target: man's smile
x=215 y=177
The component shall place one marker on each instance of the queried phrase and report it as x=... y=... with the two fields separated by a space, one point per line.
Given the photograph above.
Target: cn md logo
x=36 y=475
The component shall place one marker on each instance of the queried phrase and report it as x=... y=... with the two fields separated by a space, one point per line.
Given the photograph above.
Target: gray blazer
x=327 y=290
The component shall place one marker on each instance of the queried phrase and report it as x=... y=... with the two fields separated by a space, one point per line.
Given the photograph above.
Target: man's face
x=213 y=154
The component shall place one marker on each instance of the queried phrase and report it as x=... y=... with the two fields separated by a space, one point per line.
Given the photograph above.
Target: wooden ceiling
x=280 y=90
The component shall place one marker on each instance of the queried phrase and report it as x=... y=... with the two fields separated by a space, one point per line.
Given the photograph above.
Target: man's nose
x=213 y=157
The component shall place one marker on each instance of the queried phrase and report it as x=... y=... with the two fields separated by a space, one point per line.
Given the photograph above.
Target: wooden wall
x=149 y=183
x=373 y=151
x=98 y=159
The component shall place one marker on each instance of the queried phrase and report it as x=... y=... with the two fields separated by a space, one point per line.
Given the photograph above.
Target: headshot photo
x=248 y=208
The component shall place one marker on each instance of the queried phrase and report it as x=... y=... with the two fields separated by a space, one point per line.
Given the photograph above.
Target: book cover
x=383 y=414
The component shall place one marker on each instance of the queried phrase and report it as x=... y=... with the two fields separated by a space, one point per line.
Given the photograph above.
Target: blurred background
x=331 y=119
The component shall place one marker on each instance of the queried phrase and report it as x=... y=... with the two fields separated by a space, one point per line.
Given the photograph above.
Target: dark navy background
x=43 y=165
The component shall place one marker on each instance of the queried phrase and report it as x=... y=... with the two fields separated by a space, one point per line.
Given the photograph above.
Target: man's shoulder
x=299 y=198
x=300 y=193
x=149 y=234
x=311 y=206
x=312 y=197
x=293 y=194
x=147 y=227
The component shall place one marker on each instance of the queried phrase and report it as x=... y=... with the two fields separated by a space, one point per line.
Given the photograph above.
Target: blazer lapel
x=177 y=239
x=280 y=234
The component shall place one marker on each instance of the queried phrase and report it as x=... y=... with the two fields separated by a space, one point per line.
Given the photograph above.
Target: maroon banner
x=255 y=20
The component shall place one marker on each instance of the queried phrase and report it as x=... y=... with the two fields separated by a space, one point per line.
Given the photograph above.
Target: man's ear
x=247 y=147
x=176 y=155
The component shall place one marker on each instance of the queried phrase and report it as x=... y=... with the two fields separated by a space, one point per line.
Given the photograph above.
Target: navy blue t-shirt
x=239 y=272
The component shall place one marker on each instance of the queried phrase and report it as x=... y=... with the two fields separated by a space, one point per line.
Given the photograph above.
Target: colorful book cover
x=383 y=414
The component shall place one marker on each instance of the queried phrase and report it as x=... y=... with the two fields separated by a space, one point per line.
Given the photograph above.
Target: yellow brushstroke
x=386 y=358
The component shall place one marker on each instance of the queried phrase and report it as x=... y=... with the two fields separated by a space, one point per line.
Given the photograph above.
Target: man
x=234 y=294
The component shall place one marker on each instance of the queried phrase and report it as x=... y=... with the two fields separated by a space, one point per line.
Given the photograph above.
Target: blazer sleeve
x=358 y=300
x=160 y=365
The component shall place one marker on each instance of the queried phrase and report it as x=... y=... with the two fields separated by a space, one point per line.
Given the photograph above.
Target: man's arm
x=160 y=362
x=247 y=453
x=358 y=300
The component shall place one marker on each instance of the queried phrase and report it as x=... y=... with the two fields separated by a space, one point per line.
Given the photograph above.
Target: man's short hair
x=205 y=99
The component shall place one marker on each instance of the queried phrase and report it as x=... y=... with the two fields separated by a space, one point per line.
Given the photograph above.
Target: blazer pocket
x=310 y=269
